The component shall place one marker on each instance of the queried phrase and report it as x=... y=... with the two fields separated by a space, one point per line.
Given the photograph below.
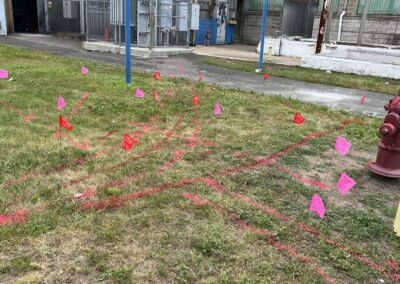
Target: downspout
x=339 y=35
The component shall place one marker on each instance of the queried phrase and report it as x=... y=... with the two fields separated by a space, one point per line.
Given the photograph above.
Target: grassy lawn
x=199 y=198
x=373 y=84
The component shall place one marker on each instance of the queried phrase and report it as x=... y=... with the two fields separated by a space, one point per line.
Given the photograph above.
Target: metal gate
x=298 y=17
x=153 y=22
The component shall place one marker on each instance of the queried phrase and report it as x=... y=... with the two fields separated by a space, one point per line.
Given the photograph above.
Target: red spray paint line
x=18 y=217
x=78 y=106
x=87 y=194
x=214 y=184
x=283 y=249
x=363 y=99
x=272 y=158
x=318 y=235
x=117 y=201
x=178 y=155
x=194 y=141
x=126 y=181
x=65 y=165
x=27 y=117
x=81 y=146
x=108 y=135
x=307 y=181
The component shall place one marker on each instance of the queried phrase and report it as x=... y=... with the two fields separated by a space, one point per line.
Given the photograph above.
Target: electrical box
x=195 y=23
x=143 y=25
x=165 y=11
x=70 y=9
x=181 y=16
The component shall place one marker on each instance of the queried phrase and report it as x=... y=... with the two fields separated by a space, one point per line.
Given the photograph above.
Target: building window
x=257 y=5
x=380 y=7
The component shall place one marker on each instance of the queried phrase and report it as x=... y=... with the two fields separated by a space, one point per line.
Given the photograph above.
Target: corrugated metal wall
x=381 y=7
x=257 y=5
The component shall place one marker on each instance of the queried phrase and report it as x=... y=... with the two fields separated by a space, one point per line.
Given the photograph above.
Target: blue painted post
x=128 y=41
x=264 y=23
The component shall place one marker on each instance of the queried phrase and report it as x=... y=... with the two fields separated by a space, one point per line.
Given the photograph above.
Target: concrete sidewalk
x=242 y=52
x=188 y=66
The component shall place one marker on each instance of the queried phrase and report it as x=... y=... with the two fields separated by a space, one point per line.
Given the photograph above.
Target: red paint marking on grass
x=18 y=217
x=272 y=158
x=78 y=106
x=108 y=135
x=121 y=183
x=307 y=181
x=124 y=182
x=27 y=117
x=81 y=146
x=65 y=165
x=318 y=235
x=214 y=184
x=178 y=155
x=87 y=194
x=287 y=250
x=119 y=200
x=194 y=141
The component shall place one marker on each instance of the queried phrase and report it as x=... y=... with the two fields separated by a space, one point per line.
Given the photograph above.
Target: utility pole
x=263 y=28
x=330 y=18
x=363 y=20
x=321 y=30
x=128 y=41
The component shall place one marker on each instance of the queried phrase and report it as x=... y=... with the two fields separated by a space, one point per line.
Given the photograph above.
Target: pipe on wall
x=339 y=35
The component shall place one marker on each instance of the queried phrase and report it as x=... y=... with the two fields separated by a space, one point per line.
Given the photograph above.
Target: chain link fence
x=153 y=22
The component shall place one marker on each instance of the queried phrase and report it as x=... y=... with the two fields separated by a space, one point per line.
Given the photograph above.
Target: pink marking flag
x=139 y=93
x=217 y=109
x=3 y=74
x=61 y=103
x=200 y=76
x=363 y=99
x=345 y=183
x=342 y=146
x=317 y=206
x=266 y=76
x=85 y=70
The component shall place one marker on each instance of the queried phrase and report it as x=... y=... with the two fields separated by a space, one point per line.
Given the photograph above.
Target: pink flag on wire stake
x=345 y=183
x=139 y=93
x=217 y=109
x=342 y=145
x=85 y=70
x=61 y=103
x=3 y=74
x=317 y=206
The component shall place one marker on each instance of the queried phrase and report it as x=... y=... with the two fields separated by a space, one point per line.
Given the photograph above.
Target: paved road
x=188 y=66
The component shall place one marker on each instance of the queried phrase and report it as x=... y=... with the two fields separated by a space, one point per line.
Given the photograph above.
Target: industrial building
x=167 y=22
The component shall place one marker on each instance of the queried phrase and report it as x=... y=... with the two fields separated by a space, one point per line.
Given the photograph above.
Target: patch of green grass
x=368 y=83
x=18 y=265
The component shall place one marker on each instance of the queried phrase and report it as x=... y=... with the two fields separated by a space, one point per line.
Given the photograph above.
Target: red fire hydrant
x=388 y=159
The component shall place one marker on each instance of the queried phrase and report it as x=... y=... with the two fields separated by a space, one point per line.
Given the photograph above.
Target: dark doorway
x=239 y=20
x=298 y=17
x=25 y=16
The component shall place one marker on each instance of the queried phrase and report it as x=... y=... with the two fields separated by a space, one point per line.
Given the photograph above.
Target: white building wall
x=3 y=21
